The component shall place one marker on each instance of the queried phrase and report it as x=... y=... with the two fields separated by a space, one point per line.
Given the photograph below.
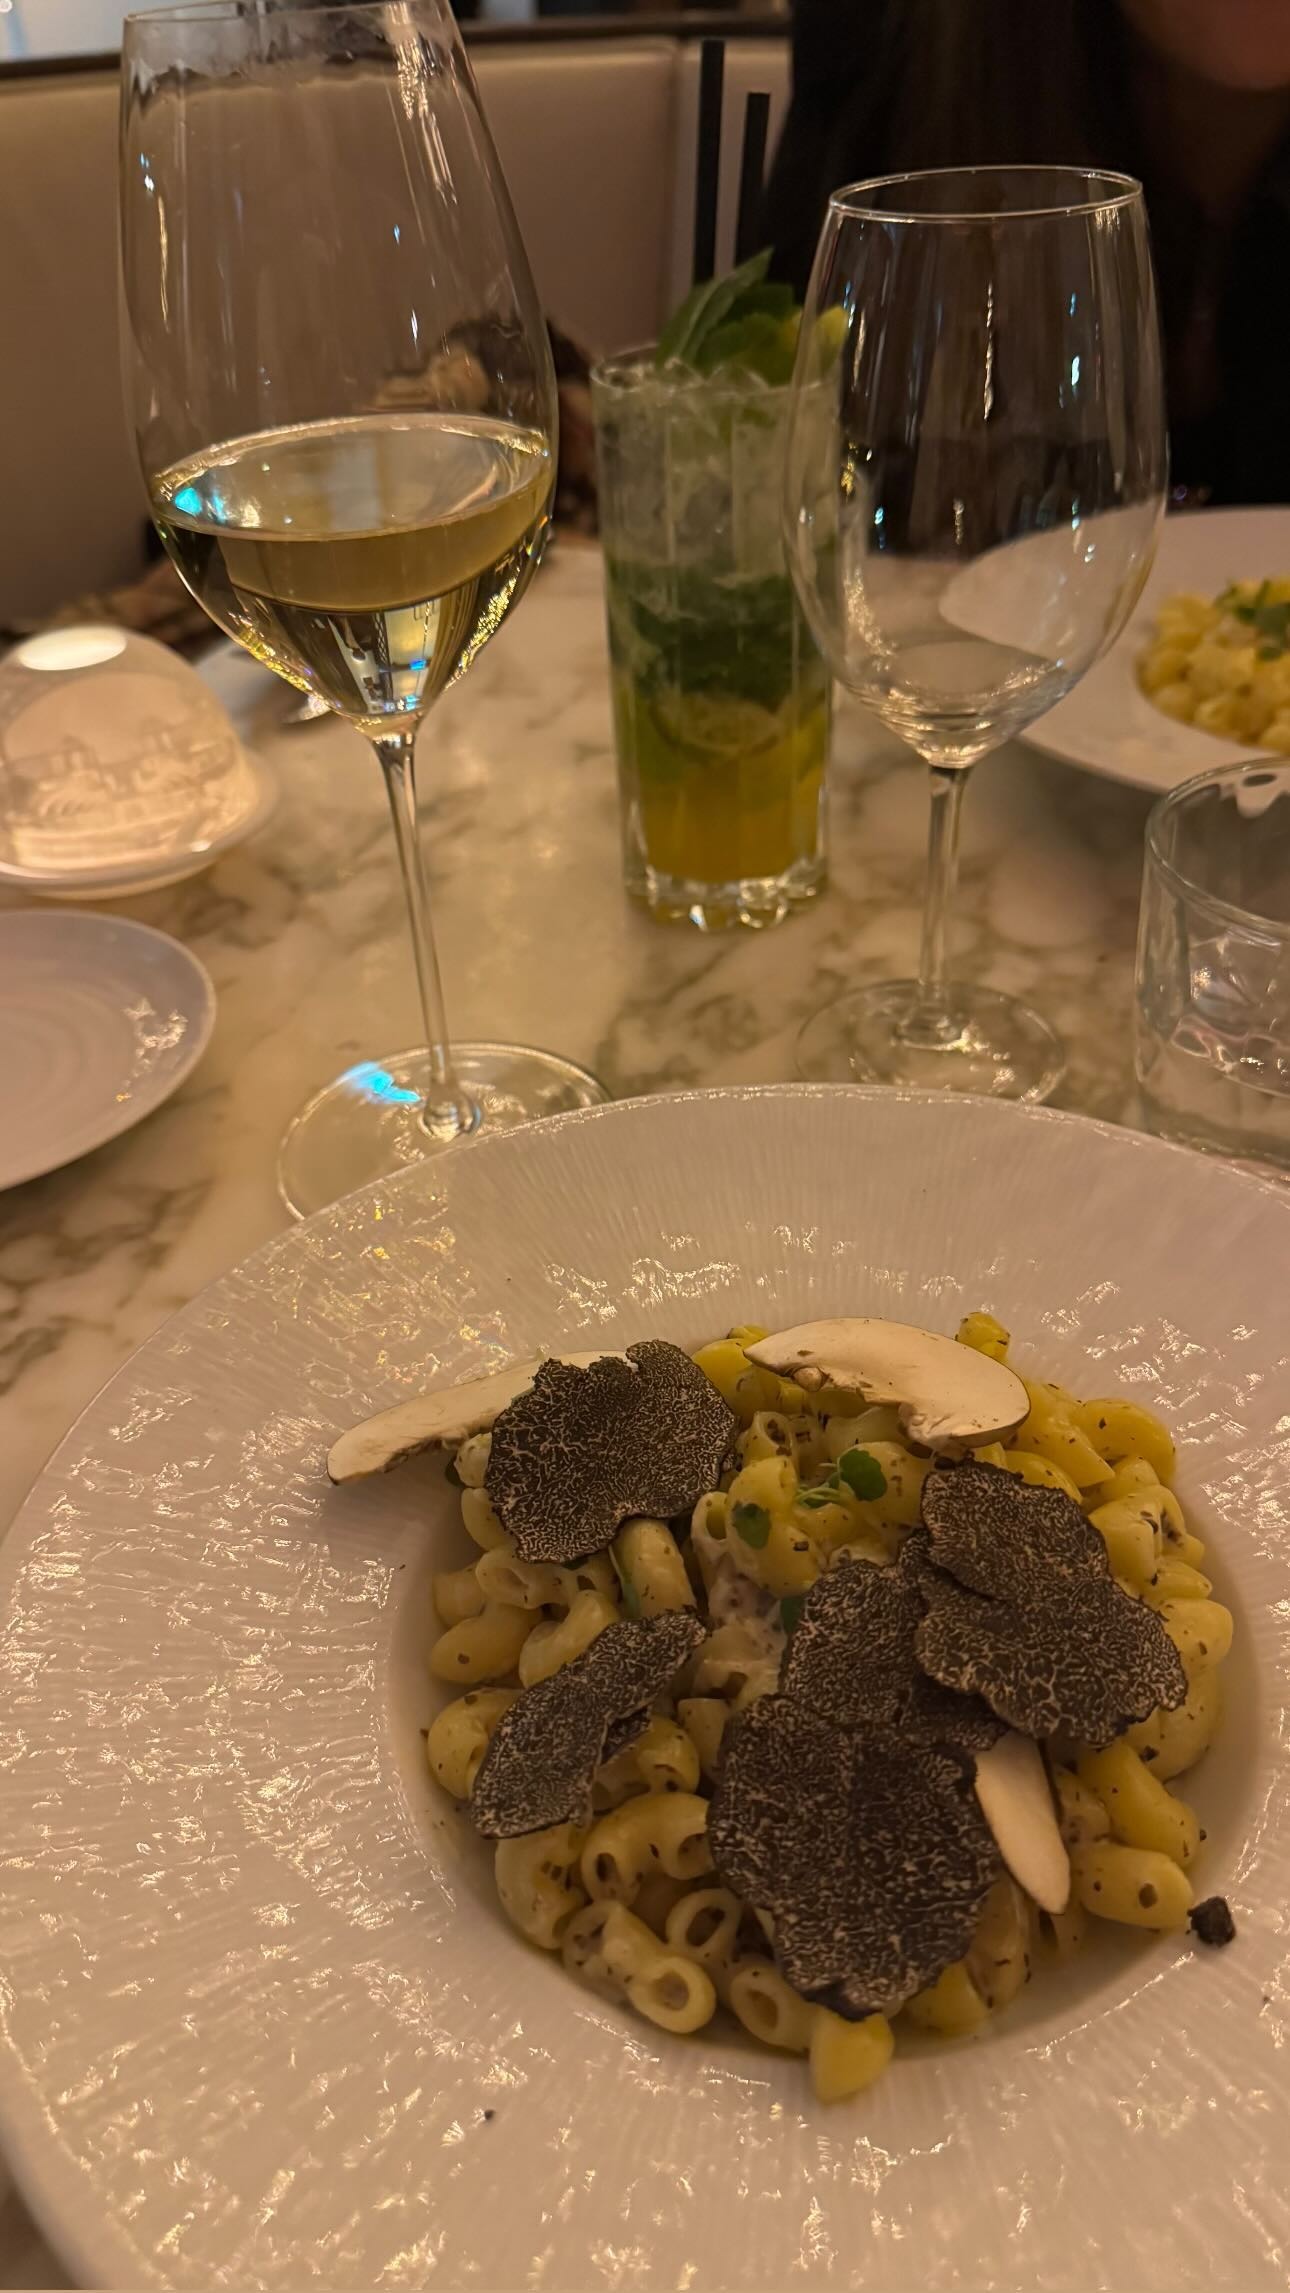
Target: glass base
x=366 y=1124
x=1260 y=1159
x=753 y=901
x=1192 y=1101
x=990 y=1044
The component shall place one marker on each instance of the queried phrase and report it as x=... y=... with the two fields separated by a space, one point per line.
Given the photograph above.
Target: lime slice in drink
x=727 y=727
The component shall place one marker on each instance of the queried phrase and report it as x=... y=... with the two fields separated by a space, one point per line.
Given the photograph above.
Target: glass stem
x=931 y=1025
x=448 y=1111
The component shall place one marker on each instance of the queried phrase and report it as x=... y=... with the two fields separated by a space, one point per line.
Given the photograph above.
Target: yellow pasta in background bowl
x=1223 y=663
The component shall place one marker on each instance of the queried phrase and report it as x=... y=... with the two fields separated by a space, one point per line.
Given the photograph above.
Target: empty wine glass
x=346 y=415
x=976 y=473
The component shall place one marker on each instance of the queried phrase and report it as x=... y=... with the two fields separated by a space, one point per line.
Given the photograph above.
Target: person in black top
x=1192 y=96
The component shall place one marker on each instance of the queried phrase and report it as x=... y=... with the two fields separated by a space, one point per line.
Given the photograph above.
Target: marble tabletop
x=302 y=932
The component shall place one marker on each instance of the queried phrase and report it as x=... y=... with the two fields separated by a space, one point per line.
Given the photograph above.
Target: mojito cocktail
x=720 y=695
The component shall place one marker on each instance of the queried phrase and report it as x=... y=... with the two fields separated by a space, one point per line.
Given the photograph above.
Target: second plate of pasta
x=1109 y=724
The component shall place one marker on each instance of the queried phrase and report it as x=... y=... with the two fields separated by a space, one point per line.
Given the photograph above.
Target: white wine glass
x=975 y=479
x=346 y=415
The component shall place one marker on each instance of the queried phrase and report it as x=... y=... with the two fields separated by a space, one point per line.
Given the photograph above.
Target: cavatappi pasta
x=1223 y=663
x=631 y=1901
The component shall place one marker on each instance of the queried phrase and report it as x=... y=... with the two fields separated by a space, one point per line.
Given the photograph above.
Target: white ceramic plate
x=263 y=2023
x=100 y=1020
x=1107 y=724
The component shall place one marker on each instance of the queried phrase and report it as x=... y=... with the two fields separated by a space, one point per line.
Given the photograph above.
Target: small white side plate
x=100 y=1020
x=1107 y=724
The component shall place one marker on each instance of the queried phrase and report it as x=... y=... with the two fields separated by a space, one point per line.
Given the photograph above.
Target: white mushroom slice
x=950 y=1397
x=443 y=1419
x=1017 y=1802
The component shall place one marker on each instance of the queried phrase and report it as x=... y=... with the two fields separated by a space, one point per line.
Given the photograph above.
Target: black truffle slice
x=915 y=1555
x=868 y=1852
x=624 y=1733
x=542 y=1760
x=538 y=1769
x=628 y=1663
x=852 y=1658
x=1023 y=1611
x=1077 y=1657
x=1212 y=1922
x=584 y=1450
x=992 y=1531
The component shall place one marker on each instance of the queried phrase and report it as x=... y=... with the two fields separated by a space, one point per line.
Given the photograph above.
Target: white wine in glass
x=366 y=558
x=346 y=416
x=976 y=477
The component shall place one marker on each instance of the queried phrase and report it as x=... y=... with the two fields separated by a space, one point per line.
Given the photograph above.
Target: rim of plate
x=205 y=1008
x=81 y=2231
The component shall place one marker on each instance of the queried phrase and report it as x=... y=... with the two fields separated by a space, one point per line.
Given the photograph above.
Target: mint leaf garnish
x=863 y=1474
x=1270 y=621
x=1273 y=625
x=631 y=1598
x=705 y=308
x=753 y=343
x=814 y=1498
x=752 y=1523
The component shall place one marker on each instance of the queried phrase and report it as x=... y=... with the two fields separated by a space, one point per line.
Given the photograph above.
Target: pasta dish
x=1223 y=663
x=831 y=1682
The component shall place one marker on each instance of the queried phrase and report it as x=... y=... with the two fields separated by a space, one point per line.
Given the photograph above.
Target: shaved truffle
x=852 y=1658
x=915 y=1555
x=1211 y=1922
x=994 y=1531
x=868 y=1852
x=1023 y=1611
x=584 y=1450
x=624 y=1733
x=539 y=1767
x=631 y=1661
x=432 y=1420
